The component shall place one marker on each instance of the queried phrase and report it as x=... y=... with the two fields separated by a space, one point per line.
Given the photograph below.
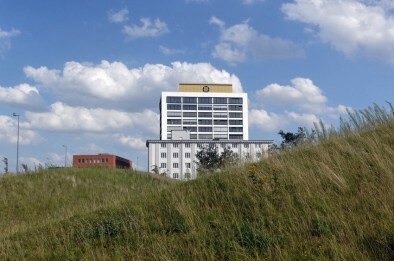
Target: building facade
x=201 y=115
x=101 y=160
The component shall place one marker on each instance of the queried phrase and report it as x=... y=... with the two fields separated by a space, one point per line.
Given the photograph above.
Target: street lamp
x=17 y=145
x=65 y=156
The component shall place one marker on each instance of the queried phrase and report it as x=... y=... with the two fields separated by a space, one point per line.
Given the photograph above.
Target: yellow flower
x=252 y=168
x=273 y=187
x=274 y=168
x=266 y=178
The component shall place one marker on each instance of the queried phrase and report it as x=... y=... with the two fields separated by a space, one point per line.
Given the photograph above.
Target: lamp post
x=65 y=156
x=17 y=145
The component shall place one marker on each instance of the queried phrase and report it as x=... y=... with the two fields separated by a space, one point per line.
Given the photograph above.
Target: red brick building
x=101 y=160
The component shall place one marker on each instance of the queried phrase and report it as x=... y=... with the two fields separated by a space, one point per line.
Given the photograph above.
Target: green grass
x=331 y=200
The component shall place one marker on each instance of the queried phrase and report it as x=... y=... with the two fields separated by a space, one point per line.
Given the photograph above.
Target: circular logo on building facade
x=205 y=89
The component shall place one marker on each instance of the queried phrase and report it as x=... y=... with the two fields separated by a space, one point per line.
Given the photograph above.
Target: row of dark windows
x=93 y=160
x=204 y=122
x=205 y=114
x=203 y=108
x=205 y=100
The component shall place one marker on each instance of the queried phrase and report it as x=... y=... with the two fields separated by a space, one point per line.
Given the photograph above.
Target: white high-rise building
x=196 y=116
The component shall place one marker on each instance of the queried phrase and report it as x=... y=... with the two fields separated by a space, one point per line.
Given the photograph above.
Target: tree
x=208 y=158
x=5 y=160
x=292 y=139
x=155 y=169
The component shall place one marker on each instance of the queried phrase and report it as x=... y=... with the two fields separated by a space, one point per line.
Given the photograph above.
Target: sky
x=89 y=74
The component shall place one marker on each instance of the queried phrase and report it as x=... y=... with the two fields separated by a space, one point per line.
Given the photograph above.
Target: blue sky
x=88 y=74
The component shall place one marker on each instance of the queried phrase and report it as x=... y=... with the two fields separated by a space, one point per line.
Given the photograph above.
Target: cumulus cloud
x=241 y=42
x=168 y=51
x=147 y=29
x=350 y=26
x=5 y=43
x=118 y=17
x=264 y=120
x=132 y=142
x=9 y=132
x=22 y=95
x=303 y=94
x=62 y=117
x=113 y=85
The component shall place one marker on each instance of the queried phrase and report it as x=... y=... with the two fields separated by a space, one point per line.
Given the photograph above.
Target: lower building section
x=101 y=160
x=177 y=158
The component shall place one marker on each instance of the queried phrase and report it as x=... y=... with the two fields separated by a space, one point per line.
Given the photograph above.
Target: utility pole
x=65 y=156
x=17 y=145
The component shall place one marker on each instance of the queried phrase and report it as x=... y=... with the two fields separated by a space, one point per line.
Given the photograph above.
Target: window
x=190 y=107
x=211 y=145
x=235 y=129
x=246 y=146
x=204 y=122
x=190 y=114
x=163 y=155
x=173 y=121
x=204 y=100
x=173 y=99
x=175 y=175
x=220 y=115
x=175 y=165
x=189 y=100
x=163 y=145
x=235 y=100
x=187 y=155
x=187 y=175
x=175 y=155
x=220 y=108
x=193 y=136
x=220 y=100
x=171 y=128
x=235 y=137
x=222 y=145
x=163 y=165
x=173 y=106
x=220 y=122
x=174 y=114
x=169 y=136
x=83 y=160
x=235 y=122
x=90 y=161
x=199 y=145
x=220 y=136
x=189 y=122
x=187 y=165
x=106 y=160
x=234 y=145
x=220 y=129
x=205 y=108
x=205 y=136
x=205 y=129
x=102 y=161
x=187 y=145
x=258 y=146
x=191 y=129
x=235 y=107
x=235 y=114
x=205 y=114
x=79 y=160
x=175 y=145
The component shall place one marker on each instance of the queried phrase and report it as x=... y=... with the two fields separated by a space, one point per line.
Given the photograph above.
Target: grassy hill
x=328 y=201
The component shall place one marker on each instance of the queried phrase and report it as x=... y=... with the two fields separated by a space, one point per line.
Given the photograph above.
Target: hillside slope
x=332 y=201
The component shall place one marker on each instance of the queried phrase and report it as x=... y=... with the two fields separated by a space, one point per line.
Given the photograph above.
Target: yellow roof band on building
x=205 y=87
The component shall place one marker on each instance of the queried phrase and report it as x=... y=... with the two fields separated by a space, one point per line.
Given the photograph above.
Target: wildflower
x=266 y=178
x=252 y=168
x=274 y=168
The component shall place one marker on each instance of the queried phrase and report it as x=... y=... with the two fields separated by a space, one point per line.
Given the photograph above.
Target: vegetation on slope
x=331 y=200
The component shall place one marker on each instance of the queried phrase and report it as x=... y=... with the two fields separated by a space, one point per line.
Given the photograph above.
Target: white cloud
x=350 y=26
x=9 y=132
x=113 y=85
x=118 y=17
x=90 y=149
x=23 y=94
x=168 y=51
x=302 y=94
x=62 y=117
x=303 y=119
x=132 y=142
x=265 y=121
x=248 y=2
x=241 y=42
x=5 y=43
x=147 y=29
x=31 y=162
